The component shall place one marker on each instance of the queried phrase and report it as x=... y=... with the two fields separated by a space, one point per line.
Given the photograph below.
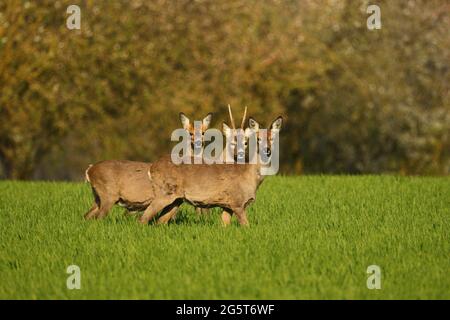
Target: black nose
x=197 y=144
x=241 y=154
x=267 y=152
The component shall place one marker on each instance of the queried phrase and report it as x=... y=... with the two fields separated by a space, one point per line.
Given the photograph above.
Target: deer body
x=229 y=186
x=119 y=182
x=126 y=183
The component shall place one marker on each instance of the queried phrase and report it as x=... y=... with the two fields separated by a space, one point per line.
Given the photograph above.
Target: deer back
x=127 y=180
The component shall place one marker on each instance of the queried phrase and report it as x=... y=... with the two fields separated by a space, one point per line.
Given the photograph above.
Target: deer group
x=162 y=186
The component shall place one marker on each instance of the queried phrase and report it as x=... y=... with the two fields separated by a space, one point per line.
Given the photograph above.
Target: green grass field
x=309 y=237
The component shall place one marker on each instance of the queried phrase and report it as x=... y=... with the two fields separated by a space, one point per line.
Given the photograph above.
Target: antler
x=243 y=119
x=232 y=120
x=231 y=117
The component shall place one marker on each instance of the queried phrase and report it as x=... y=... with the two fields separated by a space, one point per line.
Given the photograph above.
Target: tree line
x=354 y=100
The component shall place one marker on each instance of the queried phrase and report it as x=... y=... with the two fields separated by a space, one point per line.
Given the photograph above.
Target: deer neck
x=256 y=171
x=197 y=155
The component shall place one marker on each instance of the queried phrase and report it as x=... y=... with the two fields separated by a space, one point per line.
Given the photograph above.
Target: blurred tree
x=354 y=100
x=36 y=106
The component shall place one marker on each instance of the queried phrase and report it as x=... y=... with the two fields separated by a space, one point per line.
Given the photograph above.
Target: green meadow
x=310 y=237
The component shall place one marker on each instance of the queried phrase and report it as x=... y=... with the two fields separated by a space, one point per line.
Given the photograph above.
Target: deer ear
x=252 y=124
x=226 y=129
x=184 y=121
x=206 y=121
x=276 y=124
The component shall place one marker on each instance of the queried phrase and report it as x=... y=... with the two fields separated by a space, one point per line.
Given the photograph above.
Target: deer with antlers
x=234 y=151
x=237 y=138
x=229 y=186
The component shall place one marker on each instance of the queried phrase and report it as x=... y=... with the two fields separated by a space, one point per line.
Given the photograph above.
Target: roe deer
x=236 y=150
x=187 y=125
x=229 y=186
x=197 y=141
x=119 y=182
x=124 y=182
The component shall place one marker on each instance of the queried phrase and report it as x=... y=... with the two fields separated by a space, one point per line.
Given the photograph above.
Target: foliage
x=354 y=100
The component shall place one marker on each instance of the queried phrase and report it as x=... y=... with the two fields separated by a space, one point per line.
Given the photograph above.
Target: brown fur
x=229 y=186
x=119 y=182
x=127 y=183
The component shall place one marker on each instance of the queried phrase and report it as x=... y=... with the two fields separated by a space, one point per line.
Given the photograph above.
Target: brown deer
x=196 y=141
x=125 y=183
x=232 y=153
x=187 y=125
x=119 y=182
x=236 y=150
x=229 y=186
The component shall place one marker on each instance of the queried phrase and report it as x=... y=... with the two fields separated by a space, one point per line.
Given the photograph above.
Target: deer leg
x=153 y=209
x=103 y=203
x=170 y=212
x=105 y=206
x=241 y=216
x=92 y=213
x=174 y=215
x=226 y=217
x=164 y=219
x=201 y=211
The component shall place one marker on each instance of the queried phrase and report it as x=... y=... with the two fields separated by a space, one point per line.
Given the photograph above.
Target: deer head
x=238 y=137
x=196 y=135
x=265 y=143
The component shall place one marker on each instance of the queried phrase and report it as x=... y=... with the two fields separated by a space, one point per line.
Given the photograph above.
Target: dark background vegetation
x=354 y=100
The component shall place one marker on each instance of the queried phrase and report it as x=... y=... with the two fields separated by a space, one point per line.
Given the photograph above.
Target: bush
x=355 y=101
